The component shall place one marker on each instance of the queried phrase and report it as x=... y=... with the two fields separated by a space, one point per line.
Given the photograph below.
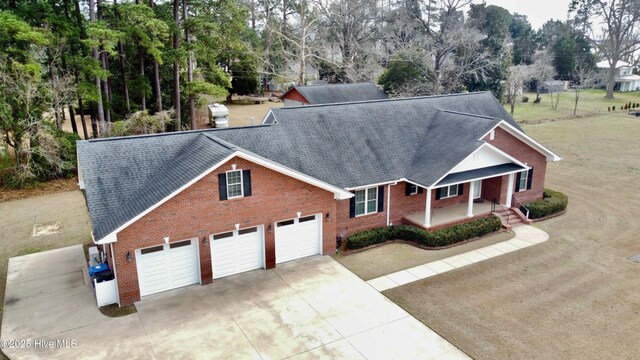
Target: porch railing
x=494 y=203
x=521 y=205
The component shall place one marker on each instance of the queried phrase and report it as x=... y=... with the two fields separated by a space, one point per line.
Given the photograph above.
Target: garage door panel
x=239 y=252
x=174 y=265
x=297 y=239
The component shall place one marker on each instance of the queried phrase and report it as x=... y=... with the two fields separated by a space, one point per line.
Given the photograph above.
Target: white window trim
x=241 y=184
x=449 y=195
x=416 y=189
x=366 y=201
x=526 y=181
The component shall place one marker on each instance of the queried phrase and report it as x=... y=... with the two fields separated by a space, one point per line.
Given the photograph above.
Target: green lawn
x=592 y=102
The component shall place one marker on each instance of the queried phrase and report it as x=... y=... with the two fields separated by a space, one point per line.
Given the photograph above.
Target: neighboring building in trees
x=625 y=79
x=332 y=93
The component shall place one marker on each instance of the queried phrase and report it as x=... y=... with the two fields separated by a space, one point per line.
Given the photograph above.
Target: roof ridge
x=470 y=114
x=379 y=100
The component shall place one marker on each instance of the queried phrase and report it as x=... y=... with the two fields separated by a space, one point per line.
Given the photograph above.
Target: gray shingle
x=340 y=93
x=346 y=145
x=125 y=176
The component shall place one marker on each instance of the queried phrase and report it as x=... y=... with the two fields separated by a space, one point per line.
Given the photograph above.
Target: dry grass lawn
x=392 y=257
x=575 y=296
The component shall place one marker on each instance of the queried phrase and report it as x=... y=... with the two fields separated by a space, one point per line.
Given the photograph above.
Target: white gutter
x=115 y=273
x=389 y=202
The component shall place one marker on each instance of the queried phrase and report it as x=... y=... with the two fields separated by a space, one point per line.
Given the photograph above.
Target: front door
x=477 y=189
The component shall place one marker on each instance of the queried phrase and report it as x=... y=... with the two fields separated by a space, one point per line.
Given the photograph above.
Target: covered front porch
x=453 y=214
x=467 y=195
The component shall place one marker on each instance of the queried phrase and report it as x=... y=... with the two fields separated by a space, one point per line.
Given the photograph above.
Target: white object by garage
x=168 y=266
x=237 y=251
x=298 y=238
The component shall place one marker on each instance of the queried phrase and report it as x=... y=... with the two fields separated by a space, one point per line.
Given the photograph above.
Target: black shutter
x=380 y=198
x=438 y=193
x=460 y=189
x=407 y=189
x=222 y=186
x=529 y=179
x=246 y=182
x=518 y=177
x=420 y=189
x=352 y=207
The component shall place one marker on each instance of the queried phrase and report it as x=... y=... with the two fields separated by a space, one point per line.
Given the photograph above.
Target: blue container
x=98 y=268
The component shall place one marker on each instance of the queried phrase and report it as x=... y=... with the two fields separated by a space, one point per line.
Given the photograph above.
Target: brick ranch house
x=175 y=209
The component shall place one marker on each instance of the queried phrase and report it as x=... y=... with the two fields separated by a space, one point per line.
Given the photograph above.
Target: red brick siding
x=521 y=151
x=295 y=96
x=402 y=205
x=197 y=212
x=495 y=188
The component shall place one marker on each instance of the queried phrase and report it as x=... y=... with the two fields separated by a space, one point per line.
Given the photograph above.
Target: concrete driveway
x=308 y=309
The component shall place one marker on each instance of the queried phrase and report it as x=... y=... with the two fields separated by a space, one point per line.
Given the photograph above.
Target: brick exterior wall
x=198 y=212
x=521 y=151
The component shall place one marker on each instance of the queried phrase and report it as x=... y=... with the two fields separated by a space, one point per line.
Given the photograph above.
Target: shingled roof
x=345 y=145
x=340 y=93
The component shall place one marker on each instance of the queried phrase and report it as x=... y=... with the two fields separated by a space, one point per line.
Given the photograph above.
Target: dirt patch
x=574 y=296
x=395 y=256
x=116 y=311
x=45 y=188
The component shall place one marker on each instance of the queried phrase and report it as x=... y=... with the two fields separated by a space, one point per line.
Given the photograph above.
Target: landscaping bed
x=553 y=203
x=434 y=239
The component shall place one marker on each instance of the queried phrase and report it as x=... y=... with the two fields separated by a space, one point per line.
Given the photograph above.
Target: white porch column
x=472 y=189
x=427 y=209
x=509 y=191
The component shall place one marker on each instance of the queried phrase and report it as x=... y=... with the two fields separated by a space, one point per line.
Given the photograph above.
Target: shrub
x=525 y=99
x=614 y=108
x=609 y=108
x=552 y=202
x=444 y=237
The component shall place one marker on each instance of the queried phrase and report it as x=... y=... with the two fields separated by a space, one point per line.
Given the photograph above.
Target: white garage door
x=237 y=251
x=168 y=266
x=297 y=238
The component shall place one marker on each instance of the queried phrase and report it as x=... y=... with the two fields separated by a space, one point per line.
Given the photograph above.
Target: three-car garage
x=176 y=264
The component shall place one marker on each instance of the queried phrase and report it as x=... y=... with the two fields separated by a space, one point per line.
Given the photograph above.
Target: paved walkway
x=525 y=236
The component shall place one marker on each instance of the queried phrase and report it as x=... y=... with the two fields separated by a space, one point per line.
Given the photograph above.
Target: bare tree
x=617 y=34
x=584 y=77
x=351 y=25
x=542 y=70
x=518 y=74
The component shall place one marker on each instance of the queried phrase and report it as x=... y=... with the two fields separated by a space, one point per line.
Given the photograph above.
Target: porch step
x=510 y=218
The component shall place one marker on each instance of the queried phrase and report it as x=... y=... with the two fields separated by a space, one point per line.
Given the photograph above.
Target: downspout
x=389 y=202
x=115 y=273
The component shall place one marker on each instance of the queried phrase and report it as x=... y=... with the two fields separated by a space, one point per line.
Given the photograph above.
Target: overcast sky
x=537 y=11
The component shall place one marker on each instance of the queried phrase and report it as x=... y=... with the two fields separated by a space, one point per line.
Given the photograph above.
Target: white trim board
x=500 y=152
x=550 y=155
